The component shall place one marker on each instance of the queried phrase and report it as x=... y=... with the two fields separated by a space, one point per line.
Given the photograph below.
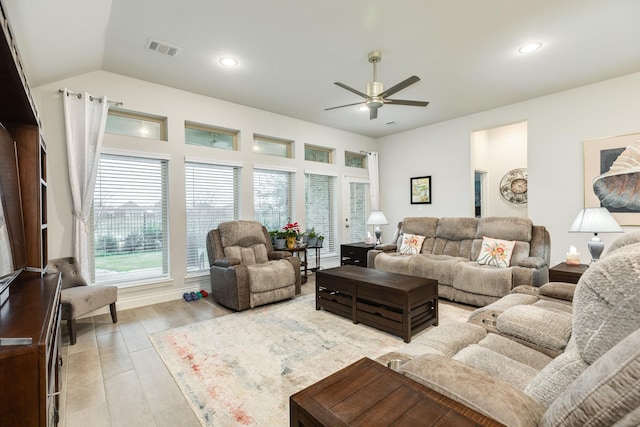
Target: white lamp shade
x=377 y=218
x=595 y=220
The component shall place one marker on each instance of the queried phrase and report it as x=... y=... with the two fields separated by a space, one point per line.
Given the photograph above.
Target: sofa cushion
x=447 y=340
x=531 y=323
x=482 y=279
x=454 y=237
x=423 y=226
x=505 y=228
x=270 y=275
x=411 y=244
x=241 y=233
x=510 y=371
x=606 y=302
x=484 y=394
x=516 y=351
x=254 y=254
x=604 y=394
x=553 y=379
x=496 y=252
x=437 y=267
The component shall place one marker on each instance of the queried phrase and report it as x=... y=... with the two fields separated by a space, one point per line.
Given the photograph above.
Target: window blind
x=129 y=220
x=320 y=208
x=212 y=196
x=273 y=197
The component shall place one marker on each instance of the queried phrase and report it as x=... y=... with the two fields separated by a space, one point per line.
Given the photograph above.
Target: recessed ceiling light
x=530 y=47
x=228 y=61
x=363 y=108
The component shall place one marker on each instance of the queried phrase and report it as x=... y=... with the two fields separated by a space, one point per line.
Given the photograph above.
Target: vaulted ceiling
x=291 y=52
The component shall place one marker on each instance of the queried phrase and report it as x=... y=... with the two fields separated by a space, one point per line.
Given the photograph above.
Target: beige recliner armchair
x=245 y=270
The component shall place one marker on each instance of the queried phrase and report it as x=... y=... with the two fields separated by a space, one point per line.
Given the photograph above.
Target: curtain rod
x=79 y=95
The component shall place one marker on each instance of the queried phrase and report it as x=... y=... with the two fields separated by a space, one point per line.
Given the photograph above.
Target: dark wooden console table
x=369 y=394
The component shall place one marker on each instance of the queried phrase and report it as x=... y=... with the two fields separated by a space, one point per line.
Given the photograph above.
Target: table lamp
x=595 y=220
x=377 y=218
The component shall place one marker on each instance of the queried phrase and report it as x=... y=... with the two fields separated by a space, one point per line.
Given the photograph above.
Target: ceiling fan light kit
x=376 y=96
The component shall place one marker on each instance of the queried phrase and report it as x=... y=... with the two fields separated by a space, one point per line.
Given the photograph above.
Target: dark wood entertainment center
x=30 y=315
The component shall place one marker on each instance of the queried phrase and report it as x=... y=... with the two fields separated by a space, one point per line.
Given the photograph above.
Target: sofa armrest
x=476 y=389
x=226 y=262
x=279 y=255
x=387 y=247
x=558 y=290
x=532 y=262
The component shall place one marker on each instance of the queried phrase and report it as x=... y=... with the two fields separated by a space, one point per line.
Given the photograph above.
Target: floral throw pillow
x=496 y=252
x=411 y=244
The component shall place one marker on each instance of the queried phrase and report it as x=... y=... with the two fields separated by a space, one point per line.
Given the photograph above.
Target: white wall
x=557 y=125
x=178 y=106
x=497 y=151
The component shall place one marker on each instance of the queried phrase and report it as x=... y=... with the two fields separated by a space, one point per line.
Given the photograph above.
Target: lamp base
x=378 y=233
x=596 y=247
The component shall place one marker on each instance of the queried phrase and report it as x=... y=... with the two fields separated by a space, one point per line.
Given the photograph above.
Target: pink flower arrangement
x=291 y=230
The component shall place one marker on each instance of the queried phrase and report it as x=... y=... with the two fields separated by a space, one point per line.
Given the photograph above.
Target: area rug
x=240 y=369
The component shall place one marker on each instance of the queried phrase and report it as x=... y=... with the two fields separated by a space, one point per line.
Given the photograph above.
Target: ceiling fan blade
x=397 y=88
x=405 y=102
x=346 y=105
x=350 y=89
x=373 y=113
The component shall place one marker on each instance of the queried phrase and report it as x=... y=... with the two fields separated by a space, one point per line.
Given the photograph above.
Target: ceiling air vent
x=160 y=47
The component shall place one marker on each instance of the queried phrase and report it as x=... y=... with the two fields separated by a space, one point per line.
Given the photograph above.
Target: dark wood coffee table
x=396 y=303
x=369 y=394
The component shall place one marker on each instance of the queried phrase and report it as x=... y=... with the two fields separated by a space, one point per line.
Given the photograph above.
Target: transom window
x=355 y=160
x=209 y=136
x=130 y=220
x=131 y=123
x=318 y=154
x=272 y=146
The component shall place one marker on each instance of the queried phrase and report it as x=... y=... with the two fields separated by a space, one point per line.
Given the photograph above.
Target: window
x=359 y=208
x=317 y=154
x=355 y=160
x=129 y=220
x=208 y=136
x=273 y=197
x=272 y=146
x=212 y=197
x=129 y=123
x=320 y=208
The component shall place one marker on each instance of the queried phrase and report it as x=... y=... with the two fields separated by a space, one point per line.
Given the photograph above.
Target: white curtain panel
x=374 y=185
x=85 y=119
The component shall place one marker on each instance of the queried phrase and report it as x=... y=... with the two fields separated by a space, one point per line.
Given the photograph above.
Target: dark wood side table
x=567 y=273
x=369 y=394
x=355 y=253
x=301 y=253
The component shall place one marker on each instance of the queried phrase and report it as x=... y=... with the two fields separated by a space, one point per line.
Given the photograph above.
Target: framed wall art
x=609 y=174
x=421 y=190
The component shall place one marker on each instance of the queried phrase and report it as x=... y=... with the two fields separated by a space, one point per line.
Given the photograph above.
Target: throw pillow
x=411 y=244
x=496 y=252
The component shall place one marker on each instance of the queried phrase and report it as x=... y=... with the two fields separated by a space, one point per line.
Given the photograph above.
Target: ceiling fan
x=376 y=96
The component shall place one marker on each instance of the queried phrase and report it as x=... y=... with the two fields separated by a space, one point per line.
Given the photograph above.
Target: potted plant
x=320 y=240
x=277 y=239
x=291 y=231
x=312 y=238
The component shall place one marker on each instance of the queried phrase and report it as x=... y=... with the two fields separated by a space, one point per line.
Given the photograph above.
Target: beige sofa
x=594 y=381
x=450 y=251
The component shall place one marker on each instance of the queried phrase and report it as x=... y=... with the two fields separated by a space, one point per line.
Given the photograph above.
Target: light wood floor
x=113 y=376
